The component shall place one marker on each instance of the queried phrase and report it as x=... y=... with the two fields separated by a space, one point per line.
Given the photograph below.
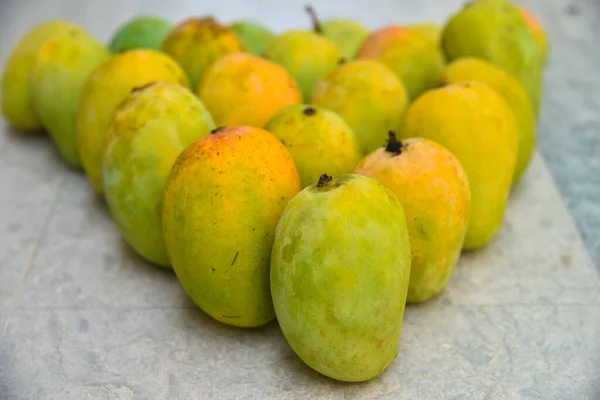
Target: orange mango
x=433 y=188
x=244 y=89
x=539 y=33
x=223 y=199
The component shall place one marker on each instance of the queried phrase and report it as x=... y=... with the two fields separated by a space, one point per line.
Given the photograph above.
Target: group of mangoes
x=323 y=176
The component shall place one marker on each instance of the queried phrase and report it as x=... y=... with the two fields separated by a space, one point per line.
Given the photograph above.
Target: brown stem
x=324 y=180
x=394 y=146
x=315 y=20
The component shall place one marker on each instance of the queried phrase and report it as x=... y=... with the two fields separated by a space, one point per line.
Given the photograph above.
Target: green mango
x=340 y=268
x=16 y=95
x=347 y=35
x=318 y=139
x=62 y=65
x=255 y=37
x=497 y=31
x=368 y=96
x=152 y=126
x=306 y=55
x=142 y=32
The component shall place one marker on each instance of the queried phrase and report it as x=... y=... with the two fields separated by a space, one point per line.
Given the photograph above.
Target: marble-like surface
x=82 y=317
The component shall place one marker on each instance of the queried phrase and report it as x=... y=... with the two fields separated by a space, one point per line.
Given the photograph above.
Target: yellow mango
x=103 y=92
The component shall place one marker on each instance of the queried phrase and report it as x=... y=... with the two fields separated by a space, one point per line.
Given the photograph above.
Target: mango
x=474 y=69
x=340 y=269
x=255 y=37
x=141 y=32
x=412 y=55
x=197 y=43
x=433 y=189
x=539 y=33
x=307 y=56
x=244 y=89
x=152 y=126
x=62 y=65
x=368 y=96
x=105 y=89
x=16 y=94
x=496 y=30
x=346 y=34
x=222 y=201
x=318 y=140
x=432 y=30
x=477 y=125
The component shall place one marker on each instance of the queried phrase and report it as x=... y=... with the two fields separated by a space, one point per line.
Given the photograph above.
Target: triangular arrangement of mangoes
x=324 y=176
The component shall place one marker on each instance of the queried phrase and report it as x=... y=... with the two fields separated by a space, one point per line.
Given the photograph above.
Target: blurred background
x=569 y=131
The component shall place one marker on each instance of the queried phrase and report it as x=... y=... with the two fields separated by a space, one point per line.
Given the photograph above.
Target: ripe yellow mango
x=476 y=69
x=222 y=202
x=477 y=125
x=434 y=191
x=368 y=96
x=105 y=89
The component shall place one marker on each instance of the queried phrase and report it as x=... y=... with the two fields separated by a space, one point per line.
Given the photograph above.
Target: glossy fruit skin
x=319 y=141
x=222 y=202
x=197 y=43
x=105 y=89
x=255 y=37
x=433 y=189
x=368 y=96
x=142 y=32
x=16 y=94
x=339 y=273
x=307 y=56
x=152 y=126
x=411 y=54
x=244 y=89
x=496 y=30
x=347 y=35
x=475 y=69
x=477 y=125
x=62 y=65
x=539 y=33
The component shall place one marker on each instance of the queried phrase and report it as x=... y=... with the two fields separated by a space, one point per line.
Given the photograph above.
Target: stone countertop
x=82 y=317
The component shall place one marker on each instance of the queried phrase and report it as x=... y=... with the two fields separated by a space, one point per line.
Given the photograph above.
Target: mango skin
x=319 y=141
x=307 y=56
x=412 y=55
x=254 y=36
x=539 y=33
x=222 y=202
x=142 y=32
x=62 y=65
x=347 y=35
x=105 y=89
x=433 y=189
x=432 y=30
x=477 y=125
x=16 y=95
x=152 y=126
x=197 y=43
x=244 y=89
x=339 y=274
x=496 y=30
x=474 y=69
x=368 y=96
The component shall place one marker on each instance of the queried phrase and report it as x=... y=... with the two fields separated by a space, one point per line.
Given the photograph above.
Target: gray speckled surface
x=82 y=317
